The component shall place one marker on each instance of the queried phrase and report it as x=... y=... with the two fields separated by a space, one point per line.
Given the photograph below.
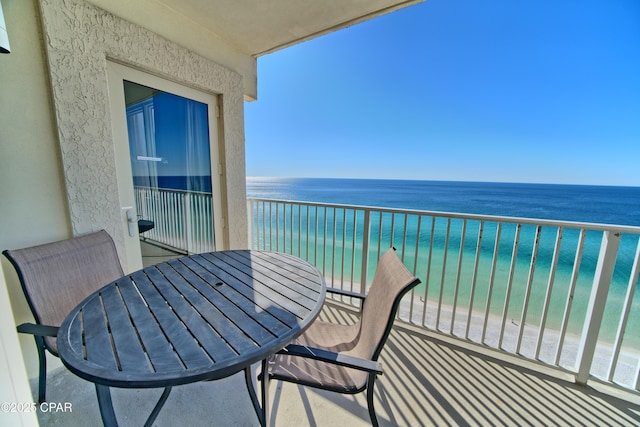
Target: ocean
x=583 y=203
x=579 y=203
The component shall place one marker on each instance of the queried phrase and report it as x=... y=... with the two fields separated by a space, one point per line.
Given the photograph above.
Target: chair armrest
x=38 y=330
x=332 y=357
x=346 y=293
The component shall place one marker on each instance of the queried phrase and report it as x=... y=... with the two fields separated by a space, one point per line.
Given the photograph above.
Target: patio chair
x=343 y=358
x=55 y=277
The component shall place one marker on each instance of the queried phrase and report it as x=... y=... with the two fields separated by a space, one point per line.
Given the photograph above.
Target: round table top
x=195 y=318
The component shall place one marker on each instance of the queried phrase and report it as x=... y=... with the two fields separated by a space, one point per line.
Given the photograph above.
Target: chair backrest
x=390 y=283
x=56 y=277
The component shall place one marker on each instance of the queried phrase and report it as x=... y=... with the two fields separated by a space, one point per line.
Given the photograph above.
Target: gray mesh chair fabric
x=341 y=358
x=56 y=277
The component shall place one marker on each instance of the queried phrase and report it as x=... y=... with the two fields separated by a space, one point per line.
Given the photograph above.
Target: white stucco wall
x=40 y=162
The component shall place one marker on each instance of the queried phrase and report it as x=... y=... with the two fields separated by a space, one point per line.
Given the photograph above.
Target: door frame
x=116 y=74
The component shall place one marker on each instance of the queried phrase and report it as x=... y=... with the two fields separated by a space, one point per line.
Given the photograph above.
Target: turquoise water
x=452 y=281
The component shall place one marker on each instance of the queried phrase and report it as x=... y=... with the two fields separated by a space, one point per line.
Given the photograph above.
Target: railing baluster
x=187 y=223
x=308 y=238
x=278 y=226
x=404 y=235
x=569 y=301
x=492 y=277
x=353 y=248
x=628 y=300
x=250 y=226
x=444 y=272
x=291 y=222
x=428 y=274
x=456 y=292
x=392 y=232
x=527 y=295
x=324 y=242
x=366 y=236
x=344 y=244
x=270 y=226
x=597 y=303
x=550 y=282
x=415 y=264
x=334 y=239
x=300 y=230
x=379 y=236
x=512 y=270
x=315 y=240
x=474 y=279
x=173 y=224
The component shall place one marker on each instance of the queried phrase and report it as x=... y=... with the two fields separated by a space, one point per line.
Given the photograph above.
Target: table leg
x=159 y=405
x=106 y=406
x=109 y=415
x=248 y=379
x=265 y=393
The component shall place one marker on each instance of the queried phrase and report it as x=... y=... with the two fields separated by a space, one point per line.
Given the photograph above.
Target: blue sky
x=500 y=90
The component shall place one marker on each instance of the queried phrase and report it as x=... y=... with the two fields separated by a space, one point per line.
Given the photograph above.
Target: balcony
x=518 y=321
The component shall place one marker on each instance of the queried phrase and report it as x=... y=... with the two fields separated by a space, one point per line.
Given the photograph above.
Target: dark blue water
x=198 y=183
x=584 y=203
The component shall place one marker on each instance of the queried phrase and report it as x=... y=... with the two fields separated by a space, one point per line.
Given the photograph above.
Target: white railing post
x=365 y=250
x=187 y=222
x=597 y=304
x=250 y=220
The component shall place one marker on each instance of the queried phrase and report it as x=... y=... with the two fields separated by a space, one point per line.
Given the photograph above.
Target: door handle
x=132 y=223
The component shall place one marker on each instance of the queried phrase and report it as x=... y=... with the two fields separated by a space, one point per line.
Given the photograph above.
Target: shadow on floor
x=427 y=382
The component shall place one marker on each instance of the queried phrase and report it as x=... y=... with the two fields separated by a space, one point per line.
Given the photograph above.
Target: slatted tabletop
x=190 y=319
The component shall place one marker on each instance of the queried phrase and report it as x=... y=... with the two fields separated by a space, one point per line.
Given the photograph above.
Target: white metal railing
x=557 y=292
x=182 y=219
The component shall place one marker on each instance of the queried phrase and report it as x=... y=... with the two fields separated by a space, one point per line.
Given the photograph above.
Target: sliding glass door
x=166 y=144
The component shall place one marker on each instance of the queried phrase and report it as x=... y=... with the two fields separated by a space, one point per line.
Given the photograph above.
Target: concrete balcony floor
x=428 y=381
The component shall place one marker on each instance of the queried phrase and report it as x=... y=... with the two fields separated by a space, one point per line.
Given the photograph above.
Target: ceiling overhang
x=233 y=33
x=258 y=27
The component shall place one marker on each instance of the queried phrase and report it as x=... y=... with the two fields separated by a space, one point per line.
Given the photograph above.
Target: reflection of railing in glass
x=183 y=219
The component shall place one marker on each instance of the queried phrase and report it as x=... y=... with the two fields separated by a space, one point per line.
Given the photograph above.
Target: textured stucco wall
x=79 y=38
x=201 y=39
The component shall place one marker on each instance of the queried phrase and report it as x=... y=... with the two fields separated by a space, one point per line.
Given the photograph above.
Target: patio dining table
x=196 y=318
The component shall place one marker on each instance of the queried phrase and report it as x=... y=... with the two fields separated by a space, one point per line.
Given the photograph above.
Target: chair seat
x=318 y=374
x=327 y=336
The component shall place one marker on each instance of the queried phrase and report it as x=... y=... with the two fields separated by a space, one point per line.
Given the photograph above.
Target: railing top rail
x=173 y=190
x=507 y=219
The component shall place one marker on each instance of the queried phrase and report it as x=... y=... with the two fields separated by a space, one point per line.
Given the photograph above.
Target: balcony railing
x=558 y=293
